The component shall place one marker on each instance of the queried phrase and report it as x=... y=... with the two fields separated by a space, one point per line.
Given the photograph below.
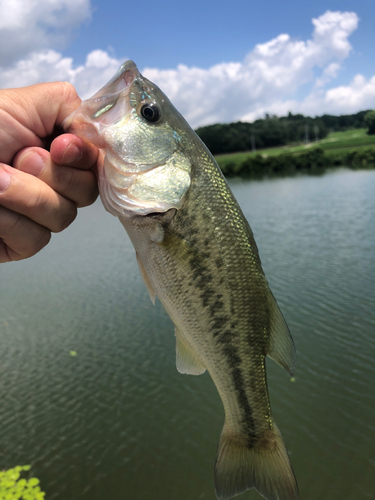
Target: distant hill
x=274 y=131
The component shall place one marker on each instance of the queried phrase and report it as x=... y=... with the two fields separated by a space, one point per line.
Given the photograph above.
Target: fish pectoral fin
x=187 y=361
x=264 y=465
x=146 y=280
x=281 y=347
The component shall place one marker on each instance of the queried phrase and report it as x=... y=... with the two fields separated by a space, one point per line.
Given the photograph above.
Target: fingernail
x=32 y=163
x=71 y=155
x=4 y=180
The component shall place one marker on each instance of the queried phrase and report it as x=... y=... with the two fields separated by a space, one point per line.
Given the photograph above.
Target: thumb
x=42 y=106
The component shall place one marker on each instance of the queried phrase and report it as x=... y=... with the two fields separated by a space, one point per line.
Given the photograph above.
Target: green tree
x=370 y=122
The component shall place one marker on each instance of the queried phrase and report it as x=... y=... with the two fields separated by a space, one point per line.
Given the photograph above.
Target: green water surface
x=90 y=395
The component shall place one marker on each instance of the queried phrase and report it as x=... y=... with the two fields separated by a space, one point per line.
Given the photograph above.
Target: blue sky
x=217 y=61
x=207 y=32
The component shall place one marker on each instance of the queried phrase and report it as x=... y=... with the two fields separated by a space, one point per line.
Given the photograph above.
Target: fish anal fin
x=281 y=346
x=265 y=467
x=146 y=280
x=187 y=361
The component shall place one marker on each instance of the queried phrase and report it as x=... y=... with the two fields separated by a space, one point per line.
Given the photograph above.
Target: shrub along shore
x=315 y=160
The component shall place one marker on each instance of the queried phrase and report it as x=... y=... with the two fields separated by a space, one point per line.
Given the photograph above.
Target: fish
x=196 y=252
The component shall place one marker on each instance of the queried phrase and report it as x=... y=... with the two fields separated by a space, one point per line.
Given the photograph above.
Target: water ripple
x=117 y=420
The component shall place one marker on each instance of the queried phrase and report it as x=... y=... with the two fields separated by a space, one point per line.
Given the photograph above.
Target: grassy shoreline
x=351 y=148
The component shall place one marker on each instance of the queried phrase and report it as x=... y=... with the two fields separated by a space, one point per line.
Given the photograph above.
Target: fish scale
x=197 y=254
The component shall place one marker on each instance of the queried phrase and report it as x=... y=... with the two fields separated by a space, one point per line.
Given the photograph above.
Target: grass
x=335 y=142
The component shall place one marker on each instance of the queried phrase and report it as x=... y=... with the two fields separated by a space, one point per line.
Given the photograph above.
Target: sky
x=216 y=61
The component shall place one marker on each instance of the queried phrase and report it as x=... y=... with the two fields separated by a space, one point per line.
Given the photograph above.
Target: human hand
x=43 y=188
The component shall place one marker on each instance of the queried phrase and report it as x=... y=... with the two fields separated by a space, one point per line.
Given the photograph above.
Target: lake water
x=117 y=421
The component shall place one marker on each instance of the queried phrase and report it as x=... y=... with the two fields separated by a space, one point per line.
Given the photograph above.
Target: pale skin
x=41 y=185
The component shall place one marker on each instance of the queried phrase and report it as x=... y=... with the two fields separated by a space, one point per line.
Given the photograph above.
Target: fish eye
x=150 y=112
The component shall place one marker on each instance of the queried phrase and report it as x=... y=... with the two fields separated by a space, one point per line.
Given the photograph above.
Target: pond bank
x=314 y=160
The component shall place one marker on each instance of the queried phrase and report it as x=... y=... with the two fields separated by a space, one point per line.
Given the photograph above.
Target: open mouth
x=108 y=106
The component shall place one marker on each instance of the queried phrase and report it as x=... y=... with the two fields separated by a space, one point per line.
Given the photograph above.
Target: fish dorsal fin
x=146 y=280
x=281 y=346
x=187 y=361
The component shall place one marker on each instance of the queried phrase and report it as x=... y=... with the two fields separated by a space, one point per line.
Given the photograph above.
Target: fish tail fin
x=264 y=466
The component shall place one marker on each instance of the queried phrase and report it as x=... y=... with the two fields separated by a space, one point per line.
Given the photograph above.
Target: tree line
x=274 y=131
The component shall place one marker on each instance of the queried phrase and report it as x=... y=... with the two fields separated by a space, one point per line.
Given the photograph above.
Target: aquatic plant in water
x=13 y=487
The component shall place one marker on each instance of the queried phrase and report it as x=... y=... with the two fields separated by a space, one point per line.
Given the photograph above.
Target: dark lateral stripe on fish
x=248 y=421
x=220 y=327
x=217 y=305
x=219 y=322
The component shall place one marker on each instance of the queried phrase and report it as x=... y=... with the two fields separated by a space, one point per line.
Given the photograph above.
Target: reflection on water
x=117 y=420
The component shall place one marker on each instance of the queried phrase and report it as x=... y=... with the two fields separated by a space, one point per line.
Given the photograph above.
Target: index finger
x=30 y=114
x=76 y=183
x=71 y=150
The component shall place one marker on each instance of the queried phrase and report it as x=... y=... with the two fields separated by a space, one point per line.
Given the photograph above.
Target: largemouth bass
x=197 y=254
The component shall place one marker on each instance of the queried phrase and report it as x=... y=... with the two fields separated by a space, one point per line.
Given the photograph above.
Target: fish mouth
x=109 y=105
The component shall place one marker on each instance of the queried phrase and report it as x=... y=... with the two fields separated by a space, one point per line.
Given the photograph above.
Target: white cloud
x=32 y=25
x=360 y=94
x=49 y=65
x=345 y=99
x=96 y=72
x=329 y=73
x=332 y=30
x=266 y=81
x=37 y=67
